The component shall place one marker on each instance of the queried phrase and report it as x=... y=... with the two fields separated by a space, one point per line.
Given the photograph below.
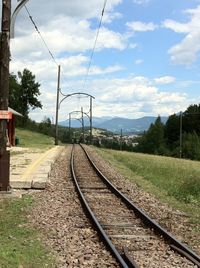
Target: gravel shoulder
x=175 y=221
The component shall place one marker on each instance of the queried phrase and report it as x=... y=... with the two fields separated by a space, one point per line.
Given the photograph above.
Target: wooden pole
x=57 y=106
x=4 y=91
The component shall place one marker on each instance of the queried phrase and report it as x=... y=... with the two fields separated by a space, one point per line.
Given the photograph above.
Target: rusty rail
x=124 y=259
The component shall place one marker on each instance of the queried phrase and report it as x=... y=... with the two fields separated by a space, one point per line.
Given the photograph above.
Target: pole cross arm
x=81 y=112
x=14 y=15
x=75 y=118
x=77 y=93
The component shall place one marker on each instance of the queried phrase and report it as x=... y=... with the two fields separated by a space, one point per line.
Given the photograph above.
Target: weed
x=20 y=245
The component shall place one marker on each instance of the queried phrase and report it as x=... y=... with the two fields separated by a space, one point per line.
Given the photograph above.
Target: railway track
x=132 y=237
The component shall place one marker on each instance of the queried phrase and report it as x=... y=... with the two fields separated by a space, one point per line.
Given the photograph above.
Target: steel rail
x=112 y=248
x=179 y=247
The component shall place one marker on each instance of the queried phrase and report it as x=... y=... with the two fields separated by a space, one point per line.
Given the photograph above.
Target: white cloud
x=66 y=35
x=186 y=51
x=47 y=10
x=164 y=80
x=133 y=45
x=69 y=28
x=141 y=2
x=142 y=98
x=111 y=69
x=176 y=26
x=138 y=26
x=127 y=97
x=138 y=61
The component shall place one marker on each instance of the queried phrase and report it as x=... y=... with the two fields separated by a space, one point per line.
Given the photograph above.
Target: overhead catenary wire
x=51 y=54
x=44 y=42
x=42 y=38
x=95 y=43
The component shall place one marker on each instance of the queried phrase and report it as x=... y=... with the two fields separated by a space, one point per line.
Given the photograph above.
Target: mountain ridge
x=115 y=124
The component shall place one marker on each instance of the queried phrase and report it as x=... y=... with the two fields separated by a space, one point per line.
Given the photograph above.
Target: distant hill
x=115 y=124
x=95 y=120
x=129 y=125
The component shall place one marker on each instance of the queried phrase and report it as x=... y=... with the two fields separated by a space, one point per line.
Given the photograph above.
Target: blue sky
x=146 y=60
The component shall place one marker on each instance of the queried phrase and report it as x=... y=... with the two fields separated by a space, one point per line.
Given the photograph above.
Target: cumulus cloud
x=186 y=51
x=140 y=2
x=176 y=26
x=69 y=28
x=47 y=10
x=142 y=98
x=164 y=80
x=128 y=97
x=65 y=35
x=138 y=26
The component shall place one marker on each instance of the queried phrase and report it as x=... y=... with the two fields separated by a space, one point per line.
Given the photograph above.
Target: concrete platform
x=31 y=168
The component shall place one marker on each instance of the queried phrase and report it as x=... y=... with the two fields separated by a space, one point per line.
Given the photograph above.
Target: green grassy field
x=20 y=246
x=175 y=181
x=32 y=139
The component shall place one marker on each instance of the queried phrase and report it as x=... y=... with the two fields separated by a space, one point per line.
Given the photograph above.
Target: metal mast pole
x=4 y=92
x=90 y=120
x=181 y=133
x=83 y=129
x=70 y=127
x=57 y=106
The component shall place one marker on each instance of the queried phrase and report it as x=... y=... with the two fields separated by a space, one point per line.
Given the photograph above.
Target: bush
x=191 y=146
x=189 y=190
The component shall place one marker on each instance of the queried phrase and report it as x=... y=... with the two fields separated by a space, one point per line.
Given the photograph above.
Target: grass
x=20 y=246
x=175 y=181
x=32 y=139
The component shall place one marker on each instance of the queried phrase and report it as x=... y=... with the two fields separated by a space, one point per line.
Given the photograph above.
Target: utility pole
x=83 y=127
x=90 y=120
x=121 y=141
x=70 y=127
x=181 y=133
x=57 y=107
x=4 y=93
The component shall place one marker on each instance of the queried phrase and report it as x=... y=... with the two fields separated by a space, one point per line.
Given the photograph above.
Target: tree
x=191 y=146
x=28 y=96
x=172 y=131
x=46 y=127
x=14 y=92
x=152 y=141
x=191 y=119
x=23 y=95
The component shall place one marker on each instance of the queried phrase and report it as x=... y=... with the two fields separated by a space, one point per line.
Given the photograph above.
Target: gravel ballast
x=67 y=231
x=174 y=221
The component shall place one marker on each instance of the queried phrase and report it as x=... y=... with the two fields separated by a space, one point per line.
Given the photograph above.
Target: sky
x=146 y=60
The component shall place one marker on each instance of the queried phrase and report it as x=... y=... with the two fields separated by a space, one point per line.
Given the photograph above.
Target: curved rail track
x=133 y=238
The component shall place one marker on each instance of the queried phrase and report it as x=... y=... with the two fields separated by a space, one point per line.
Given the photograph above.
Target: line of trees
x=166 y=139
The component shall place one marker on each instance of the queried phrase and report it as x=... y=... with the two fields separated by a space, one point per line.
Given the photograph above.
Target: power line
x=43 y=40
x=95 y=42
x=51 y=54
